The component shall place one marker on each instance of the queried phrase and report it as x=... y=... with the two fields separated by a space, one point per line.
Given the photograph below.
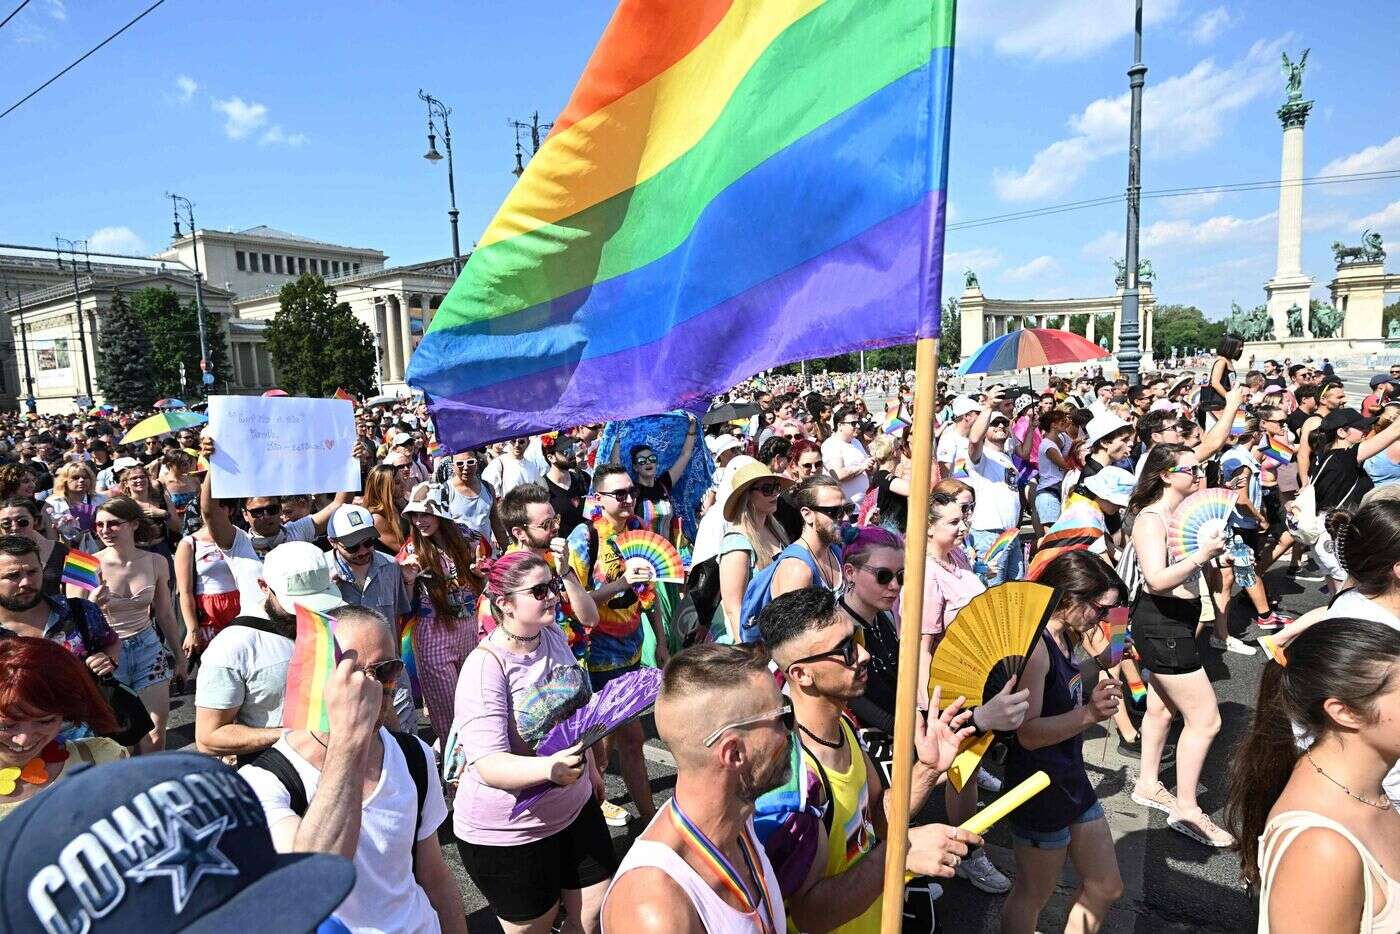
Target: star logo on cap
x=190 y=854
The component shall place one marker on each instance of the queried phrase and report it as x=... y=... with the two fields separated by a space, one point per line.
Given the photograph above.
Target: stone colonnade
x=395 y=317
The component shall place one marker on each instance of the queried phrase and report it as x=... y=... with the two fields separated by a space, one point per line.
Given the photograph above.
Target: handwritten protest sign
x=281 y=445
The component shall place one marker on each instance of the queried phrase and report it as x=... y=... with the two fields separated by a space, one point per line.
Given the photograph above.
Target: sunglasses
x=554 y=585
x=645 y=460
x=846 y=651
x=358 y=547
x=834 y=513
x=883 y=576
x=386 y=672
x=462 y=464
x=263 y=512
x=783 y=715
x=8 y=524
x=1197 y=471
x=622 y=496
x=1100 y=611
x=101 y=526
x=768 y=489
x=548 y=524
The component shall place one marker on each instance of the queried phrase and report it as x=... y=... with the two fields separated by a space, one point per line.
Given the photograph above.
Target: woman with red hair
x=44 y=689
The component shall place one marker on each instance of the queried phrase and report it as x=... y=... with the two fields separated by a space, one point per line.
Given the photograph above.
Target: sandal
x=1201 y=828
x=1159 y=800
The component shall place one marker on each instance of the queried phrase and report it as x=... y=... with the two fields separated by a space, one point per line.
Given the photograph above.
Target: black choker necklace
x=523 y=640
x=840 y=737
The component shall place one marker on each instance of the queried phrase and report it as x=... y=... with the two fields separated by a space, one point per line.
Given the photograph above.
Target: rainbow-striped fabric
x=734 y=184
x=314 y=657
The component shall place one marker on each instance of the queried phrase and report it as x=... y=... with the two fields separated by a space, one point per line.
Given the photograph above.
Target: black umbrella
x=729 y=412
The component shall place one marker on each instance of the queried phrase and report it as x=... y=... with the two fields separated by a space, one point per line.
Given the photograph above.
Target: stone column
x=393 y=341
x=405 y=332
x=1089 y=329
x=1290 y=285
x=1064 y=323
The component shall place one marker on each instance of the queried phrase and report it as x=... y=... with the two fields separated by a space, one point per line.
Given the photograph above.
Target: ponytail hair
x=1367 y=543
x=1150 y=484
x=1349 y=659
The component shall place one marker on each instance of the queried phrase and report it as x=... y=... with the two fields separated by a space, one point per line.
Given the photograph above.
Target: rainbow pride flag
x=894 y=422
x=1277 y=449
x=342 y=394
x=726 y=173
x=997 y=549
x=1237 y=426
x=314 y=657
x=80 y=569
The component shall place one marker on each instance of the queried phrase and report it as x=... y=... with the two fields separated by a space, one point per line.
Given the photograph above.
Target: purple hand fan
x=621 y=700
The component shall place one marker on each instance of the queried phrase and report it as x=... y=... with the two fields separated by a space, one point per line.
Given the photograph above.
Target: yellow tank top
x=852 y=834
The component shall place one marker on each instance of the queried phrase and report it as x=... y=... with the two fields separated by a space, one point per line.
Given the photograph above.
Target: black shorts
x=524 y=881
x=1164 y=631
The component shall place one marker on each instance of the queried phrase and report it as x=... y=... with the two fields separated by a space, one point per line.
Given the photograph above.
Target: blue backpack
x=759 y=592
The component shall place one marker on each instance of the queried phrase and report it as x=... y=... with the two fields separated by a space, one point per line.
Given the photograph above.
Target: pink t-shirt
x=947 y=590
x=496 y=691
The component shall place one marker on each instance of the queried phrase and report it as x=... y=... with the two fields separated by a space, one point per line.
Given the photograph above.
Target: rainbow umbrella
x=169 y=404
x=1031 y=347
x=162 y=424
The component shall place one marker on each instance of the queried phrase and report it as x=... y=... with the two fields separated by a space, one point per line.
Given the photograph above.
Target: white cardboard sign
x=278 y=445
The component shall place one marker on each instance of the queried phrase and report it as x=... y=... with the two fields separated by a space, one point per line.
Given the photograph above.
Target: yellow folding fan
x=987 y=644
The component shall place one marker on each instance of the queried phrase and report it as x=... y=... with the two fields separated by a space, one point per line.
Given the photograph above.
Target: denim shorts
x=145 y=661
x=1052 y=839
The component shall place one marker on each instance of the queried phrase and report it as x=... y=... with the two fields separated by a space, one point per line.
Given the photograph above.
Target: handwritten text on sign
x=278 y=445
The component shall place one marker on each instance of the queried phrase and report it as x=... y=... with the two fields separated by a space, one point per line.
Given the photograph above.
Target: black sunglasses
x=540 y=591
x=360 y=546
x=645 y=460
x=834 y=513
x=15 y=523
x=883 y=576
x=386 y=672
x=846 y=651
x=263 y=511
x=622 y=496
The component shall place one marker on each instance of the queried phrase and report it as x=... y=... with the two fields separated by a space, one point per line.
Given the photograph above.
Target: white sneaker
x=988 y=782
x=1232 y=644
x=615 y=814
x=978 y=870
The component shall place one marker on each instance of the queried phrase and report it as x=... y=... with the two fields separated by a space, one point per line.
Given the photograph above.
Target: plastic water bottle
x=1243 y=558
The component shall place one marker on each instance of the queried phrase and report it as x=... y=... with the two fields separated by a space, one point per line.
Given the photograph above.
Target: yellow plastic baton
x=1007 y=803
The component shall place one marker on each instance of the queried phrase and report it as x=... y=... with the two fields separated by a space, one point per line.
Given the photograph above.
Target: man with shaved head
x=724 y=720
x=820 y=652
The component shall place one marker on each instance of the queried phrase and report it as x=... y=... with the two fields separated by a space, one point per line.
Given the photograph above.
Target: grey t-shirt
x=245 y=668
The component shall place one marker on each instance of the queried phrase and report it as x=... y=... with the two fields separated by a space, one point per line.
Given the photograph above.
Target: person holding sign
x=1066 y=817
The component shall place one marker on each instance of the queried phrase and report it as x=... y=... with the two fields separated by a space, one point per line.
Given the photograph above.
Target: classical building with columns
x=396 y=303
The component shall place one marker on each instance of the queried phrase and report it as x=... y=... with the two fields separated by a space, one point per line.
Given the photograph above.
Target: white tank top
x=715 y=914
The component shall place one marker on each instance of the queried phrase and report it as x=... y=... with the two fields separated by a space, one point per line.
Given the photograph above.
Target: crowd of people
x=477 y=602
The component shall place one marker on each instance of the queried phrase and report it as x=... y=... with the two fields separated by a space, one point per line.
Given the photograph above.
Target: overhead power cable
x=13 y=14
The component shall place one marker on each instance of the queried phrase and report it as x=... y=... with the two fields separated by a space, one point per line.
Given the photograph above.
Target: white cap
x=296 y=572
x=1103 y=425
x=964 y=404
x=402 y=437
x=122 y=463
x=351 y=525
x=429 y=498
x=721 y=443
x=1113 y=484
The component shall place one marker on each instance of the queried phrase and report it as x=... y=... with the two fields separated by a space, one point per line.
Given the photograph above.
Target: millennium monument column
x=1290 y=286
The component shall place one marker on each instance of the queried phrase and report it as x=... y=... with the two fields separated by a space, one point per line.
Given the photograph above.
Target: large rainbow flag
x=734 y=184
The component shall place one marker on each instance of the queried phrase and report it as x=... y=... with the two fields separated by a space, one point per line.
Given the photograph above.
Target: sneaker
x=988 y=782
x=1133 y=750
x=978 y=870
x=1309 y=575
x=1159 y=800
x=1232 y=644
x=1200 y=828
x=615 y=815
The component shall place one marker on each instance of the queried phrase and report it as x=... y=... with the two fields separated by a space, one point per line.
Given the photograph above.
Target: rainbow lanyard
x=725 y=870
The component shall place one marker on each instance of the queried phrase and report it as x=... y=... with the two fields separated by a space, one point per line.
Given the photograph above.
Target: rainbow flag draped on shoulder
x=734 y=184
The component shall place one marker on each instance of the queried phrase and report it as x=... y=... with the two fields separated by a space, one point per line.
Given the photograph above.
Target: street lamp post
x=1128 y=352
x=77 y=303
x=536 y=129
x=439 y=109
x=175 y=202
x=18 y=299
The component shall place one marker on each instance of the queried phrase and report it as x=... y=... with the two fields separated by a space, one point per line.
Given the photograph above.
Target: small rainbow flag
x=960 y=467
x=410 y=660
x=1115 y=629
x=434 y=448
x=1238 y=425
x=894 y=423
x=999 y=545
x=80 y=570
x=314 y=657
x=342 y=394
x=1278 y=449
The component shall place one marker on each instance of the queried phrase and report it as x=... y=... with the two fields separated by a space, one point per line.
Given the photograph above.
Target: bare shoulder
x=646 y=899
x=1298 y=903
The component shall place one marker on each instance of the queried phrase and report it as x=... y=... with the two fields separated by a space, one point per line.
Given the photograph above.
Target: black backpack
x=273 y=761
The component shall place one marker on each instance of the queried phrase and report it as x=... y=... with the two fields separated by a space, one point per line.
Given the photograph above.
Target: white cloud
x=275 y=136
x=240 y=118
x=116 y=240
x=1386 y=216
x=977 y=259
x=1182 y=205
x=1170 y=235
x=1211 y=24
x=58 y=10
x=1045 y=30
x=1380 y=158
x=1183 y=114
x=186 y=87
x=1036 y=267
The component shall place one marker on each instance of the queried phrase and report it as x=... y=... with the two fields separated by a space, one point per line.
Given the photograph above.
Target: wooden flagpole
x=910 y=628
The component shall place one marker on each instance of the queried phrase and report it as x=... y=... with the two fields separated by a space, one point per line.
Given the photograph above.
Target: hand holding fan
x=1200 y=516
x=655 y=550
x=985 y=646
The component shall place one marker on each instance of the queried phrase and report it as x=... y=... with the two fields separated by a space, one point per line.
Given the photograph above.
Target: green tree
x=1184 y=327
x=950 y=334
x=1103 y=327
x=124 y=357
x=1391 y=312
x=317 y=343
x=173 y=327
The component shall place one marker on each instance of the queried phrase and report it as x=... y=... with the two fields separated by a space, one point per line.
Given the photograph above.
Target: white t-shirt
x=993 y=479
x=839 y=453
x=386 y=897
x=507 y=472
x=246 y=567
x=952 y=446
x=245 y=668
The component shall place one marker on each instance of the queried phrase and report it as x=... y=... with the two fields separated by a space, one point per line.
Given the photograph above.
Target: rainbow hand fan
x=1199 y=516
x=985 y=646
x=655 y=550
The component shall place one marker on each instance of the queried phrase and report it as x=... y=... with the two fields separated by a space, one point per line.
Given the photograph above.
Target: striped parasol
x=1031 y=347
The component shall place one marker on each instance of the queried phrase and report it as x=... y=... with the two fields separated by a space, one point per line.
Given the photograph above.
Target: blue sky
x=305 y=118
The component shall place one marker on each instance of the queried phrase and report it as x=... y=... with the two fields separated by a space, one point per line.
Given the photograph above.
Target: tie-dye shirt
x=616 y=642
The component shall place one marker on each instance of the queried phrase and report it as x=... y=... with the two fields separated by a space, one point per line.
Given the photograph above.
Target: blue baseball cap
x=167 y=842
